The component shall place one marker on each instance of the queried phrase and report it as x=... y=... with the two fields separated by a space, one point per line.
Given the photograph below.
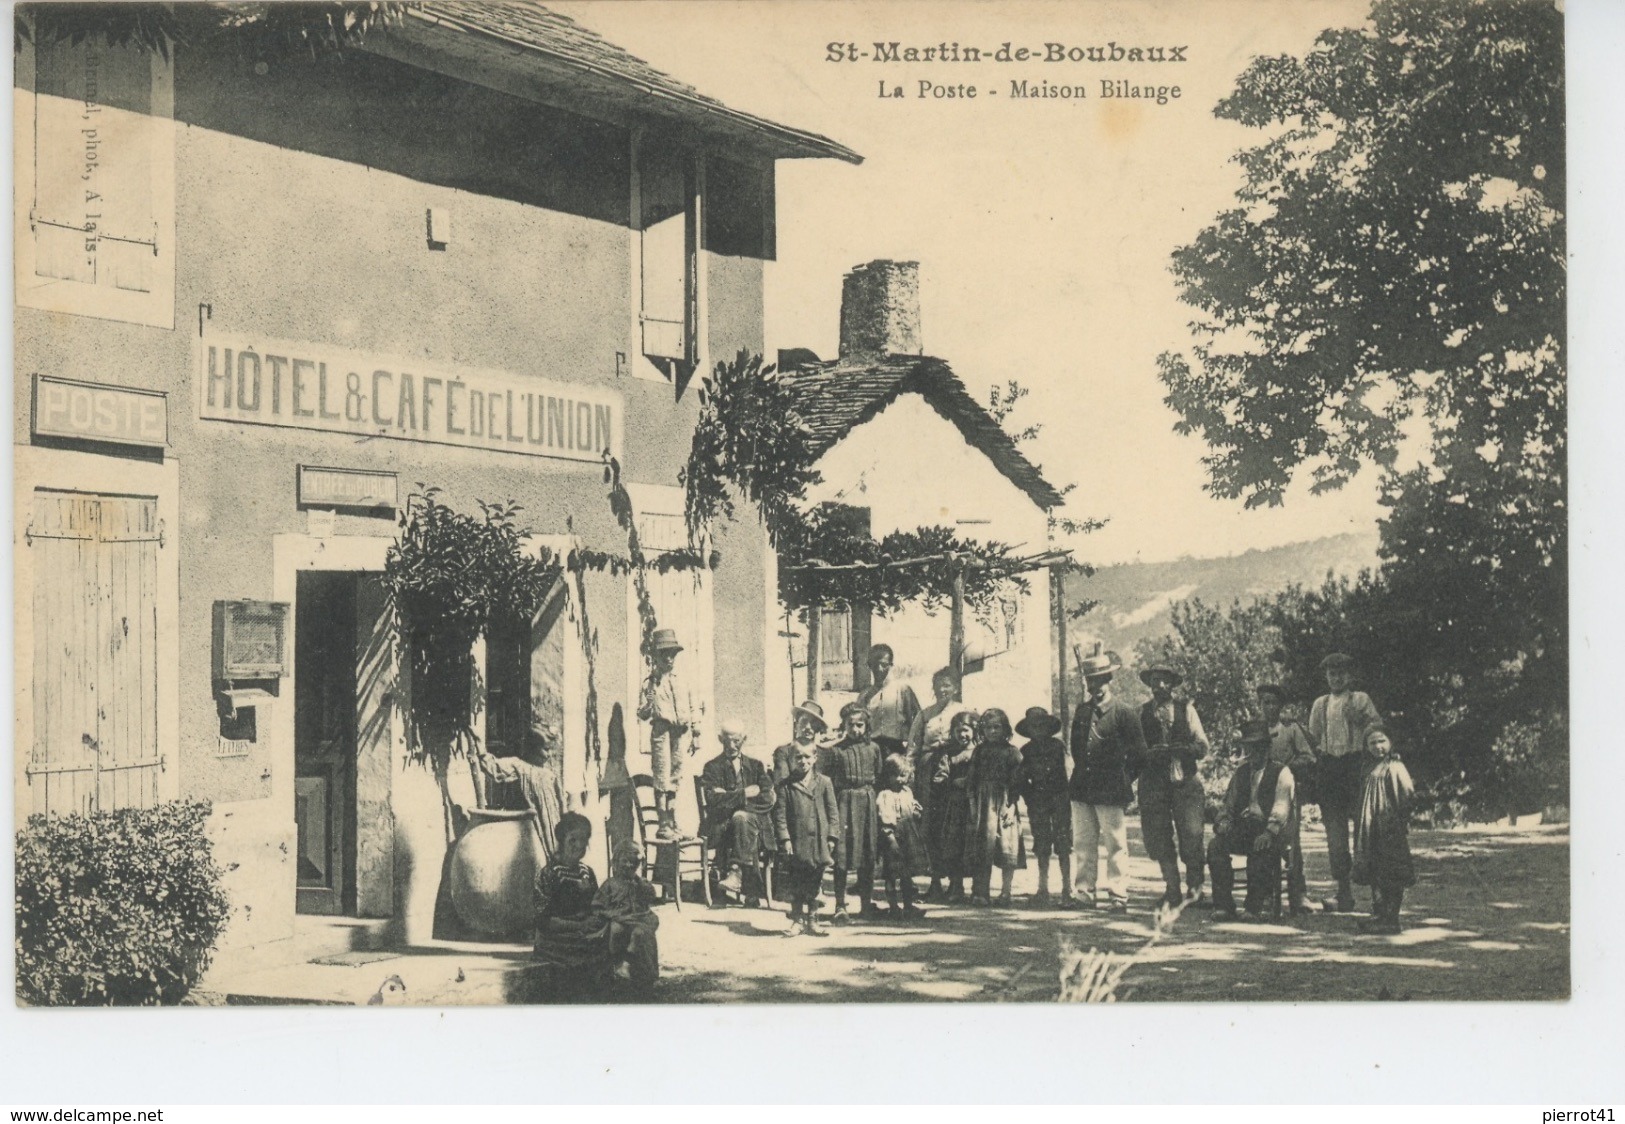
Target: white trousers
x=1093 y=824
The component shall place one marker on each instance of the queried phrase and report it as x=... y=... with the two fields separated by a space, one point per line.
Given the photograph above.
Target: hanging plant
x=750 y=437
x=449 y=576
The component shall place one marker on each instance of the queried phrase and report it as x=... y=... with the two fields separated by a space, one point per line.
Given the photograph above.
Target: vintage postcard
x=797 y=502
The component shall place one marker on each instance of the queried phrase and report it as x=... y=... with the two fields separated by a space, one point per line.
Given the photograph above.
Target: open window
x=95 y=199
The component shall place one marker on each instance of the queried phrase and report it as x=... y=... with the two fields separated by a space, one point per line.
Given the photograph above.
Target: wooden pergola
x=960 y=563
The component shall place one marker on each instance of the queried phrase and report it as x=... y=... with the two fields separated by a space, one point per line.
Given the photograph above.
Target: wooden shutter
x=95 y=618
x=92 y=216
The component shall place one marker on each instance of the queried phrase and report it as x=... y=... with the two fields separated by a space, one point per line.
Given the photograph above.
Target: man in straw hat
x=1171 y=796
x=673 y=719
x=1338 y=724
x=1108 y=747
x=1255 y=820
x=807 y=726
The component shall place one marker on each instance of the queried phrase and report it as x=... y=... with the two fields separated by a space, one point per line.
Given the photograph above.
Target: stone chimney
x=880 y=310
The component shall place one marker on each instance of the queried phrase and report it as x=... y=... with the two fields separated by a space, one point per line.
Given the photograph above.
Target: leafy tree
x=1396 y=260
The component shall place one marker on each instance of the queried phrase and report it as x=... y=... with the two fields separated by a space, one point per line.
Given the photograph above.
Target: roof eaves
x=695 y=108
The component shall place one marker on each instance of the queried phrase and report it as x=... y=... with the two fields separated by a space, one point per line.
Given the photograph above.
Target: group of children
x=952 y=811
x=950 y=807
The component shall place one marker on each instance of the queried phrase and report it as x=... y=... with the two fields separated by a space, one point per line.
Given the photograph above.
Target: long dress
x=1382 y=848
x=948 y=814
x=854 y=770
x=902 y=847
x=540 y=786
x=569 y=935
x=994 y=835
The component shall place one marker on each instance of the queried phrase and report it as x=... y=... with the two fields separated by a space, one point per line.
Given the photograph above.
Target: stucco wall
x=300 y=214
x=910 y=467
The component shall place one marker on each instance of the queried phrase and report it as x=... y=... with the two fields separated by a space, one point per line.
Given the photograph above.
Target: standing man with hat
x=1171 y=796
x=1338 y=724
x=673 y=719
x=807 y=725
x=1257 y=819
x=1108 y=747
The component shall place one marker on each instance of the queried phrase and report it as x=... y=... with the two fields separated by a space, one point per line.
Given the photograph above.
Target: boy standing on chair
x=674 y=727
x=1256 y=821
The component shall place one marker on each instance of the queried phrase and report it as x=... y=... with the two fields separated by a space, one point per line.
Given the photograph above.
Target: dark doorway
x=325 y=741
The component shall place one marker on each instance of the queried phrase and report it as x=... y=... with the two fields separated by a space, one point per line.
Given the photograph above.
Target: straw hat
x=1101 y=663
x=665 y=640
x=813 y=711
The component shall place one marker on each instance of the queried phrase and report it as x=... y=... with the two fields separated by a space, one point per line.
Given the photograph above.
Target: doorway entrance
x=339 y=741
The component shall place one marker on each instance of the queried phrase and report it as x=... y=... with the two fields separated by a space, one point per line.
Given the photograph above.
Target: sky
x=1043 y=228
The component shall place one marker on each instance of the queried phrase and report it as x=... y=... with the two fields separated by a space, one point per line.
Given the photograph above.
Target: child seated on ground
x=623 y=902
x=569 y=935
x=902 y=852
x=1382 y=846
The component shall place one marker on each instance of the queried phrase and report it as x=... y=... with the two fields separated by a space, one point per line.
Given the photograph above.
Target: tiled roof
x=835 y=398
x=598 y=69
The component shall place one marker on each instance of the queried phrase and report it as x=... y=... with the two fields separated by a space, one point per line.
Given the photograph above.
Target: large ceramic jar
x=493 y=873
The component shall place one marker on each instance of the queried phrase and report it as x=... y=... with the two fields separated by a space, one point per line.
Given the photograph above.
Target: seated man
x=1256 y=820
x=739 y=798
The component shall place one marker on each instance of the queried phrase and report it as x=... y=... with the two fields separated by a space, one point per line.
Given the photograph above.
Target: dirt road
x=1488 y=919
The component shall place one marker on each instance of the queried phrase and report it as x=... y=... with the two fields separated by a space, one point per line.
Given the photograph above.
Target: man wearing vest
x=1108 y=748
x=1257 y=817
x=1338 y=723
x=1171 y=797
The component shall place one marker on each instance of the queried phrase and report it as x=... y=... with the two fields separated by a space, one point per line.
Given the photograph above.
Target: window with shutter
x=666 y=224
x=95 y=196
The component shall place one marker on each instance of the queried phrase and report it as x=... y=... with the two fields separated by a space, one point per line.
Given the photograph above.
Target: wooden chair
x=670 y=859
x=764 y=861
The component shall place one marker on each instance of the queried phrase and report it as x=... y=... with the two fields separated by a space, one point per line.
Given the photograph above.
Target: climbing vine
x=750 y=438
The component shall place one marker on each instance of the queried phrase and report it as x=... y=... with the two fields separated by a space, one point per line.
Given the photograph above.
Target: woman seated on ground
x=570 y=937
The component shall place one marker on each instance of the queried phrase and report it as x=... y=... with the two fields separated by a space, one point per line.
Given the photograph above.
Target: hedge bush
x=116 y=908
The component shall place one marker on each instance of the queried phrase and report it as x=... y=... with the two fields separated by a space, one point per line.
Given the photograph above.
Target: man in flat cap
x=1171 y=796
x=1338 y=724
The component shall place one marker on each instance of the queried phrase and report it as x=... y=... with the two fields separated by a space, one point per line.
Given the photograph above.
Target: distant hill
x=1135 y=597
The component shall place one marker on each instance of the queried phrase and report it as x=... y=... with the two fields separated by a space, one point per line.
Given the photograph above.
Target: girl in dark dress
x=570 y=937
x=949 y=810
x=1382 y=846
x=994 y=835
x=853 y=767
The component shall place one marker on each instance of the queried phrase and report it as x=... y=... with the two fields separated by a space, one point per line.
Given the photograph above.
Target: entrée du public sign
x=315 y=386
